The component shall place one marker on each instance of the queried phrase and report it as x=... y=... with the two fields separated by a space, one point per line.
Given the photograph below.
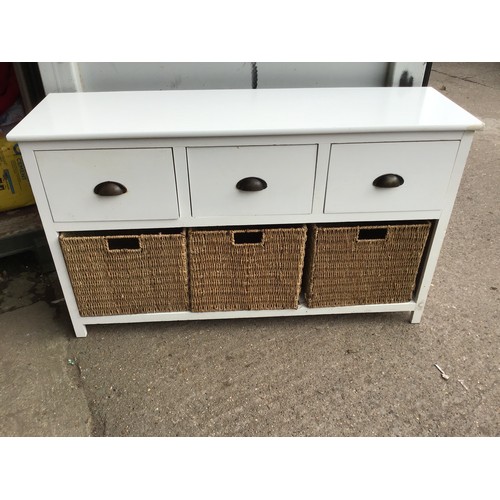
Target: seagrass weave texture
x=342 y=269
x=151 y=278
x=226 y=276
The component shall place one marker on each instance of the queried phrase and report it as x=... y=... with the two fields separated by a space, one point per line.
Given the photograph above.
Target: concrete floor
x=352 y=375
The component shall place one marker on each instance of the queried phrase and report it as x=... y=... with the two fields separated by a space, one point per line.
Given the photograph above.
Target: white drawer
x=425 y=168
x=70 y=177
x=287 y=171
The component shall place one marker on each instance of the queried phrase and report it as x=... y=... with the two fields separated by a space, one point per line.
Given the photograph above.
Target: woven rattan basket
x=245 y=269
x=363 y=264
x=127 y=274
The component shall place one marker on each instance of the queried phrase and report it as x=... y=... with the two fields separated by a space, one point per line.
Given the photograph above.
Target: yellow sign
x=15 y=189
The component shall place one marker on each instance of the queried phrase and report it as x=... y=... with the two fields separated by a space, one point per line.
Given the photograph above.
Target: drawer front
x=425 y=168
x=288 y=173
x=70 y=176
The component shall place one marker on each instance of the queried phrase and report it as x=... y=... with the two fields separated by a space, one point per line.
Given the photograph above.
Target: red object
x=9 y=90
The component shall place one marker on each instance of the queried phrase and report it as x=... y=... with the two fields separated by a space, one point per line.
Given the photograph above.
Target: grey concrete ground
x=359 y=375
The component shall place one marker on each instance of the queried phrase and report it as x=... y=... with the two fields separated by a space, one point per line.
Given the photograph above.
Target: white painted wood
x=69 y=178
x=240 y=112
x=288 y=172
x=264 y=140
x=246 y=220
x=437 y=147
x=431 y=259
x=52 y=236
x=425 y=167
x=322 y=164
x=182 y=181
x=300 y=311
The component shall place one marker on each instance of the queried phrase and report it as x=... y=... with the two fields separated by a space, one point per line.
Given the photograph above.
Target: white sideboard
x=177 y=157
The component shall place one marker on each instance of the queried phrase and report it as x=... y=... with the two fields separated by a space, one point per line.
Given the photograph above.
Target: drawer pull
x=388 y=181
x=110 y=188
x=251 y=184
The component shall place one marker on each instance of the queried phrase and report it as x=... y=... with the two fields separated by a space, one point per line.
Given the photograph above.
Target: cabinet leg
x=416 y=315
x=80 y=329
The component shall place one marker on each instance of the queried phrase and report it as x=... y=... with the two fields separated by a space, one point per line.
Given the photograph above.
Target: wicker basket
x=127 y=274
x=363 y=264
x=245 y=269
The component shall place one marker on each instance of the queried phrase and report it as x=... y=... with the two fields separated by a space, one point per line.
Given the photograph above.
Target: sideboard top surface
x=241 y=112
